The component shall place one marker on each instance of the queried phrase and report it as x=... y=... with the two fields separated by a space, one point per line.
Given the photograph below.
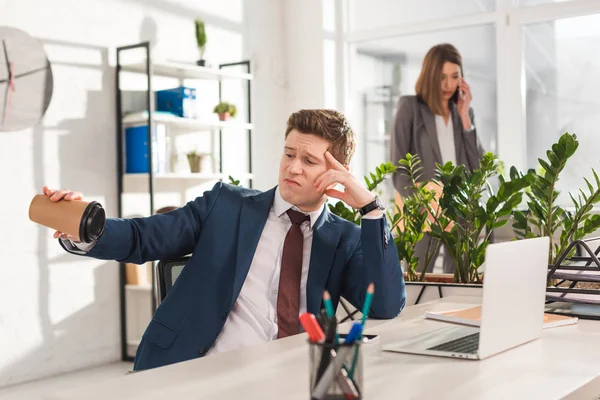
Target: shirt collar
x=280 y=206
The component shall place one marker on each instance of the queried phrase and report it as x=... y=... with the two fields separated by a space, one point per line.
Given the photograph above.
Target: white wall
x=59 y=312
x=304 y=54
x=288 y=62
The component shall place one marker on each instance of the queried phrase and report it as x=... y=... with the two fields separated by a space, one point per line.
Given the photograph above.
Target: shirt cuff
x=372 y=217
x=78 y=247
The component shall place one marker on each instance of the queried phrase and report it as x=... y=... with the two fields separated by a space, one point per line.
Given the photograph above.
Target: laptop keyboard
x=466 y=344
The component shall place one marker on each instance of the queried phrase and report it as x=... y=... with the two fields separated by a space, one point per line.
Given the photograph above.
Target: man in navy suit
x=259 y=259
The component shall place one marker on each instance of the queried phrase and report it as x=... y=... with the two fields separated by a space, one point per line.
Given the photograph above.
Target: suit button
x=203 y=351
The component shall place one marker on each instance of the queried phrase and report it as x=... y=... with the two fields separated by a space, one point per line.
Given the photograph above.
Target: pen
x=354 y=334
x=330 y=312
x=312 y=327
x=327 y=348
x=368 y=300
x=323 y=319
x=328 y=305
x=365 y=314
x=347 y=385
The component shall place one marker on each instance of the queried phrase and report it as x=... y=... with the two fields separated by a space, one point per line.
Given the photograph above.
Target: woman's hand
x=464 y=104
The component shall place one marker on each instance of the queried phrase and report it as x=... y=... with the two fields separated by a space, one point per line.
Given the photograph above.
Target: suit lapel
x=253 y=217
x=326 y=236
x=429 y=121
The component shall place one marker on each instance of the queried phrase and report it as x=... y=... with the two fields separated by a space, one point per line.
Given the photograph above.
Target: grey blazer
x=415 y=133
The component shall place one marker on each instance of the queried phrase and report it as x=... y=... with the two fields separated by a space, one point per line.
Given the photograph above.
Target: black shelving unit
x=149 y=70
x=578 y=265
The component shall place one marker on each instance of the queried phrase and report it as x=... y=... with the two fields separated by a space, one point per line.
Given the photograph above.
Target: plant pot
x=195 y=162
x=201 y=63
x=224 y=116
x=437 y=278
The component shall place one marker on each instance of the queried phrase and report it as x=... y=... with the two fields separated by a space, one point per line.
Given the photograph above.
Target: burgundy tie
x=288 y=297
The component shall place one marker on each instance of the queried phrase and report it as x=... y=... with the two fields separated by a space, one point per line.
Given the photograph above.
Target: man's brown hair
x=331 y=125
x=429 y=83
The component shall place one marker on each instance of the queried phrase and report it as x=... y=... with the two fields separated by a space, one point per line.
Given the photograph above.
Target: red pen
x=312 y=327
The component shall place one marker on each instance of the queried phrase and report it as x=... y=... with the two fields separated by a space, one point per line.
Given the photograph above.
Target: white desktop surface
x=564 y=363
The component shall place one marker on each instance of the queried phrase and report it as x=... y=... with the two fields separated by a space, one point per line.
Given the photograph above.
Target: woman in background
x=438 y=125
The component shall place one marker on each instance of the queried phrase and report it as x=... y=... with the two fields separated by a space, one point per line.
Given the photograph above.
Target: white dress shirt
x=445 y=134
x=253 y=319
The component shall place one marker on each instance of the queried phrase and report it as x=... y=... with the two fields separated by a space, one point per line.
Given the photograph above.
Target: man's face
x=303 y=161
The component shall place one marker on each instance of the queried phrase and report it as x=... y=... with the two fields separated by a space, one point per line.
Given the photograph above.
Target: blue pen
x=354 y=334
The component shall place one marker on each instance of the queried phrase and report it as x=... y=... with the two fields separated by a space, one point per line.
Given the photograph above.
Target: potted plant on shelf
x=200 y=41
x=225 y=110
x=195 y=160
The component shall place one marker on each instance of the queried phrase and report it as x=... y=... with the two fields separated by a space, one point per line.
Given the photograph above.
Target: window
x=531 y=65
x=386 y=69
x=562 y=93
x=373 y=14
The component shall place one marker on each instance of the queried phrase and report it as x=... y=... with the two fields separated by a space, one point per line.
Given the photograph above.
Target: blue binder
x=180 y=101
x=136 y=149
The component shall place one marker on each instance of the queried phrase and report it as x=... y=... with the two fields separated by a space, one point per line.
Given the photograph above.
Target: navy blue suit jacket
x=221 y=230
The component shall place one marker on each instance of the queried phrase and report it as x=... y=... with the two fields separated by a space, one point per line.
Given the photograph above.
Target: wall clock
x=25 y=80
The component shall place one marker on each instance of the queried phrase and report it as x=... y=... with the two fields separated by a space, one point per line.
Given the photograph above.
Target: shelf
x=580 y=298
x=139 y=288
x=183 y=123
x=577 y=275
x=185 y=71
x=138 y=306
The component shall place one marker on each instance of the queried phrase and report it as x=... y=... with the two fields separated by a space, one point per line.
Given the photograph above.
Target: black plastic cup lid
x=92 y=222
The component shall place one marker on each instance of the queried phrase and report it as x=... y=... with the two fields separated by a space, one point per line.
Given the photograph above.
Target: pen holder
x=336 y=371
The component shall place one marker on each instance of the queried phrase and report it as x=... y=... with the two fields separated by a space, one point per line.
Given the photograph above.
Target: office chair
x=167 y=272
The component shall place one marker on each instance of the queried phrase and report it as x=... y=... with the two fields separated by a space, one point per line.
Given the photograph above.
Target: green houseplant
x=468 y=213
x=457 y=213
x=544 y=217
x=200 y=41
x=409 y=221
x=225 y=110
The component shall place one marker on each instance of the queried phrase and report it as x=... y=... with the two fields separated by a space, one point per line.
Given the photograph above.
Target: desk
x=564 y=363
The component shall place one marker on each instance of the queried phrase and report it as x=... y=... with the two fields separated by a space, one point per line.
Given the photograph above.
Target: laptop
x=514 y=289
